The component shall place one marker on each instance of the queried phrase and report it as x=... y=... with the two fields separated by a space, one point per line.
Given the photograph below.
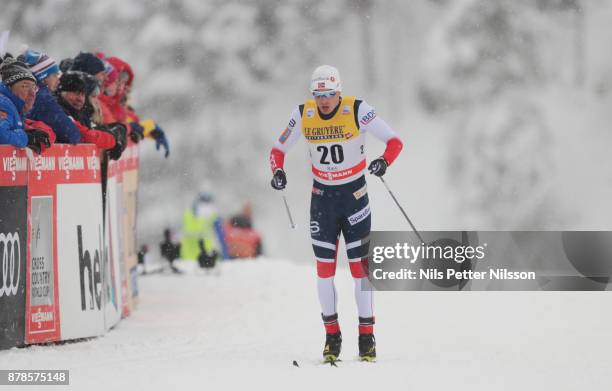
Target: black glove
x=119 y=131
x=279 y=181
x=204 y=259
x=137 y=132
x=168 y=249
x=378 y=167
x=160 y=140
x=36 y=139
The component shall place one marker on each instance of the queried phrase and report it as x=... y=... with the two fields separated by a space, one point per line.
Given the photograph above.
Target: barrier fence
x=67 y=243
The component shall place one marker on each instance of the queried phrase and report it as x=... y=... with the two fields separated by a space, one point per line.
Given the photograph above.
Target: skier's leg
x=326 y=255
x=356 y=231
x=324 y=231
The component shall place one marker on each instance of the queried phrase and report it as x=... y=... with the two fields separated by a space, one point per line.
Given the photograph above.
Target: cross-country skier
x=335 y=127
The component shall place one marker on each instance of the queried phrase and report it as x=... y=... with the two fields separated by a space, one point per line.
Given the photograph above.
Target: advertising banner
x=112 y=254
x=42 y=309
x=13 y=259
x=64 y=271
x=129 y=200
x=116 y=238
x=13 y=246
x=80 y=247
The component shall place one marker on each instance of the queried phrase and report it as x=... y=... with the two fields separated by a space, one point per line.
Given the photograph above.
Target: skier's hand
x=378 y=167
x=279 y=181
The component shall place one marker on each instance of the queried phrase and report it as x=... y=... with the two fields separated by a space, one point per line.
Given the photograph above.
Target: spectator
x=117 y=103
x=201 y=221
x=109 y=95
x=91 y=64
x=94 y=66
x=17 y=94
x=46 y=108
x=72 y=94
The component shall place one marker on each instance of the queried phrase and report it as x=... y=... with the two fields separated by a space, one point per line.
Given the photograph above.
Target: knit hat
x=13 y=71
x=41 y=65
x=88 y=63
x=73 y=81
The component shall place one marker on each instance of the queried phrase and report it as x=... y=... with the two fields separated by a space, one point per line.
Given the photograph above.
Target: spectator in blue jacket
x=46 y=108
x=17 y=92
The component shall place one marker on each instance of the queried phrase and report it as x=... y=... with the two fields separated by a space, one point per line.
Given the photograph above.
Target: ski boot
x=333 y=344
x=367 y=347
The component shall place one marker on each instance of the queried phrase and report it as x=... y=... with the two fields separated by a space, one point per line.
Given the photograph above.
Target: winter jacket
x=47 y=110
x=11 y=120
x=107 y=103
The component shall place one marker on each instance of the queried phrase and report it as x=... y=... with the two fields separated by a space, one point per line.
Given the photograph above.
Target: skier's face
x=327 y=104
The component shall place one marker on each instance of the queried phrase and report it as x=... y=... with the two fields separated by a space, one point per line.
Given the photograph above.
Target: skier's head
x=326 y=88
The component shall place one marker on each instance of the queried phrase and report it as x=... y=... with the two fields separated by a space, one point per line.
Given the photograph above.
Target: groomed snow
x=244 y=327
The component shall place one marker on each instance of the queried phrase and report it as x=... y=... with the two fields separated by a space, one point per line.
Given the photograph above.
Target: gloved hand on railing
x=119 y=131
x=30 y=126
x=38 y=140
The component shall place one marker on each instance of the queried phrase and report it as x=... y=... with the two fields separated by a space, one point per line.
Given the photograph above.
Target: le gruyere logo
x=333 y=132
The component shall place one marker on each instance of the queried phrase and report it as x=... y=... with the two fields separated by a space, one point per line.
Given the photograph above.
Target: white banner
x=80 y=253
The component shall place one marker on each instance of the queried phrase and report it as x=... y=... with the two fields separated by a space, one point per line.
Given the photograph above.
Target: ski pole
x=402 y=210
x=288 y=212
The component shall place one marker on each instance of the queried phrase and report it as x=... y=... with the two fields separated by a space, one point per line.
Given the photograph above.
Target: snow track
x=245 y=327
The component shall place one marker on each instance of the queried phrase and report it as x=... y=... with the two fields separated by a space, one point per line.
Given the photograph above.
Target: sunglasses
x=326 y=94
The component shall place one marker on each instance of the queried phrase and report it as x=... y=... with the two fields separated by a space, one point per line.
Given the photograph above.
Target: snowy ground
x=244 y=327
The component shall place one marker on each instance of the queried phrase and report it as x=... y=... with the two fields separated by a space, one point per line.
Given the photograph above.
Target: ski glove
x=378 y=167
x=137 y=132
x=37 y=139
x=119 y=132
x=160 y=140
x=279 y=181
